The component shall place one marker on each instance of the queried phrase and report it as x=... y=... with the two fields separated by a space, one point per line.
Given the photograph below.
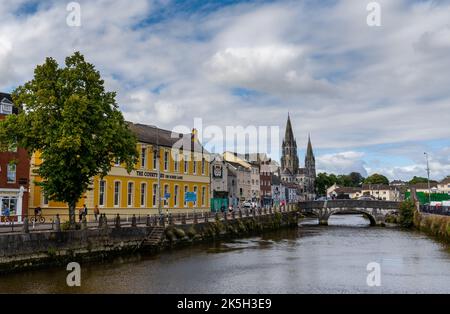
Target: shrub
x=407 y=209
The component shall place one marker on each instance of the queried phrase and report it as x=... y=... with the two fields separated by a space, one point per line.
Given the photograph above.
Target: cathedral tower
x=289 y=158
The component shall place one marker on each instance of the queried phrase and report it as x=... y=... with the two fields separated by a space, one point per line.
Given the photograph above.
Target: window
x=166 y=192
x=6 y=106
x=203 y=195
x=130 y=194
x=8 y=203
x=186 y=164
x=143 y=158
x=116 y=194
x=203 y=165
x=195 y=191
x=175 y=196
x=155 y=159
x=143 y=194
x=166 y=161
x=44 y=200
x=101 y=194
x=185 y=192
x=11 y=173
x=176 y=162
x=155 y=192
x=194 y=166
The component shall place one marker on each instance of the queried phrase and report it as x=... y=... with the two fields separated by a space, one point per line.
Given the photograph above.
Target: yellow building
x=182 y=165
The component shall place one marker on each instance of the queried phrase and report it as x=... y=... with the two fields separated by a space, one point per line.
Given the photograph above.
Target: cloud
x=350 y=85
x=342 y=163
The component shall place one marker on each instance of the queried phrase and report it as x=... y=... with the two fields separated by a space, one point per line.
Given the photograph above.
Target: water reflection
x=311 y=259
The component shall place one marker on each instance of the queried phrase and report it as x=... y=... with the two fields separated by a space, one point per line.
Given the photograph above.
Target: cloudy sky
x=373 y=98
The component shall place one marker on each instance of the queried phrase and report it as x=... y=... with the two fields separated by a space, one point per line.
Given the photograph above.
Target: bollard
x=25 y=225
x=133 y=221
x=233 y=215
x=195 y=219
x=148 y=221
x=100 y=221
x=183 y=219
x=171 y=219
x=206 y=217
x=117 y=221
x=105 y=222
x=240 y=213
x=225 y=216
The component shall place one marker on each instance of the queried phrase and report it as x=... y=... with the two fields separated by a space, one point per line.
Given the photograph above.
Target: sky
x=373 y=98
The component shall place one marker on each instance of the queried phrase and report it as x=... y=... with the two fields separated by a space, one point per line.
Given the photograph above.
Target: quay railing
x=436 y=210
x=41 y=223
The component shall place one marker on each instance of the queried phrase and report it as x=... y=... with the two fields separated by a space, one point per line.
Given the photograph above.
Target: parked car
x=247 y=205
x=366 y=198
x=323 y=198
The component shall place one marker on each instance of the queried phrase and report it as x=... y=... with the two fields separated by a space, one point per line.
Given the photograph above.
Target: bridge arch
x=367 y=213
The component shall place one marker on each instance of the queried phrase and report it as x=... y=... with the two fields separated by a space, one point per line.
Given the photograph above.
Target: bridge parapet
x=374 y=209
x=349 y=204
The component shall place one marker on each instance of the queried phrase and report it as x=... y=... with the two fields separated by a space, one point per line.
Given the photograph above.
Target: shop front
x=11 y=201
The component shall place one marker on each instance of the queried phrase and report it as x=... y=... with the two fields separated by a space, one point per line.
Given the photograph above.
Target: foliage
x=406 y=218
x=376 y=179
x=324 y=181
x=67 y=116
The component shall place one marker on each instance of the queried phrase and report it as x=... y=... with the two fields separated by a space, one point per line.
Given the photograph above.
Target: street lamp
x=158 y=166
x=428 y=174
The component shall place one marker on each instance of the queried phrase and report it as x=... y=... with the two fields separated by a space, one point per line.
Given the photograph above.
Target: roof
x=423 y=186
x=445 y=181
x=9 y=98
x=152 y=135
x=347 y=190
x=377 y=187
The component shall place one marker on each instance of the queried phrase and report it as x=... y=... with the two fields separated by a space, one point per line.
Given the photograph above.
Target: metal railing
x=40 y=223
x=437 y=210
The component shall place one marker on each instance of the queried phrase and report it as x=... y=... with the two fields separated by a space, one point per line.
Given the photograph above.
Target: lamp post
x=158 y=168
x=428 y=174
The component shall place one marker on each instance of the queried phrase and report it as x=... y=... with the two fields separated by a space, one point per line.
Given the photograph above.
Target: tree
x=356 y=179
x=324 y=181
x=416 y=180
x=376 y=179
x=406 y=211
x=66 y=115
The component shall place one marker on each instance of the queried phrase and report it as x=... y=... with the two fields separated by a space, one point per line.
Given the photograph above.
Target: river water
x=311 y=259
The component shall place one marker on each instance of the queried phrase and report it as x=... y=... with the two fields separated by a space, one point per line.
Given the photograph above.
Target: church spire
x=309 y=150
x=289 y=135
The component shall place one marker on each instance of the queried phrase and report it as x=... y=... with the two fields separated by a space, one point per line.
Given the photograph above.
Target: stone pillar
x=133 y=221
x=117 y=222
x=105 y=222
x=25 y=225
x=183 y=219
x=195 y=218
x=206 y=217
x=83 y=223
x=240 y=213
x=171 y=223
x=233 y=215
x=148 y=221
x=57 y=225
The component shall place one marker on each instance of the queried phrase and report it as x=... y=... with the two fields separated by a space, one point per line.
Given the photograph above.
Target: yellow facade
x=137 y=192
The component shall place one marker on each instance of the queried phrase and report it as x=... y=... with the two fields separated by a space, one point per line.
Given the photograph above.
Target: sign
x=217 y=171
x=167 y=196
x=150 y=174
x=190 y=197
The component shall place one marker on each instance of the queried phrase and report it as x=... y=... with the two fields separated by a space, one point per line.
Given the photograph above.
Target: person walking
x=85 y=211
x=80 y=214
x=96 y=212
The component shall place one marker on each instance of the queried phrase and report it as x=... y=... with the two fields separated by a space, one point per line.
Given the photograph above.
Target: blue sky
x=373 y=98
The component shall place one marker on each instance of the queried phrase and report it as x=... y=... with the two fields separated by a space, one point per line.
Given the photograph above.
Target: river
x=311 y=259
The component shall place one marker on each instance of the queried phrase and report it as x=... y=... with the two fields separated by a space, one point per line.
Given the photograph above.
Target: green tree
x=356 y=179
x=406 y=211
x=376 y=179
x=67 y=116
x=416 y=180
x=324 y=181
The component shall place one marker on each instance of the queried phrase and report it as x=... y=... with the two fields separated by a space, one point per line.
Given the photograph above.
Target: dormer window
x=6 y=106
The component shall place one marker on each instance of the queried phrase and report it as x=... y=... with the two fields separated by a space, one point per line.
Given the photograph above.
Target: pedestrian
x=96 y=212
x=80 y=214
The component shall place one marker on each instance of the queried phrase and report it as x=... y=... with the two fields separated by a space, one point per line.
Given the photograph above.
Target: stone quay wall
x=23 y=251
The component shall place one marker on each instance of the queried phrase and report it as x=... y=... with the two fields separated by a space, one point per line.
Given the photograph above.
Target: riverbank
x=24 y=251
x=434 y=225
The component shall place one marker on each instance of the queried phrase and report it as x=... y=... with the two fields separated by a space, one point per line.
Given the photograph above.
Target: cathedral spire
x=289 y=135
x=309 y=150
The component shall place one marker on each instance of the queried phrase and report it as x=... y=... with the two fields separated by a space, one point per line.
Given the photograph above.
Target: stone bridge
x=376 y=211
